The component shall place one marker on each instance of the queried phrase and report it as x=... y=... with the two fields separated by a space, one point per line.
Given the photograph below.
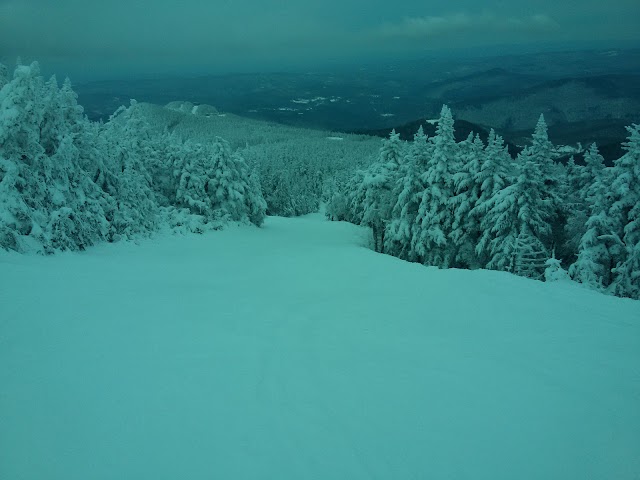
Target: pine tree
x=496 y=173
x=4 y=75
x=16 y=222
x=626 y=214
x=434 y=221
x=554 y=271
x=129 y=142
x=25 y=164
x=377 y=188
x=514 y=221
x=228 y=186
x=542 y=153
x=408 y=192
x=256 y=204
x=579 y=199
x=466 y=227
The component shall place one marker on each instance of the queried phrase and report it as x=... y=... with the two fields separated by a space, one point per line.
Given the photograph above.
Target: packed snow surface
x=293 y=351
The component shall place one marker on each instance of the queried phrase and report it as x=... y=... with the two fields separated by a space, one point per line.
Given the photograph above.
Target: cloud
x=487 y=26
x=249 y=35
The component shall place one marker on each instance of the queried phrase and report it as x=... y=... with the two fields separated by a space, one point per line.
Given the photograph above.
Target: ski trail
x=293 y=351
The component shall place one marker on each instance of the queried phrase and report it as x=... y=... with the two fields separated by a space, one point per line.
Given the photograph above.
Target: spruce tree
x=496 y=173
x=582 y=182
x=625 y=212
x=408 y=192
x=542 y=152
x=515 y=219
x=466 y=227
x=377 y=188
x=129 y=143
x=434 y=221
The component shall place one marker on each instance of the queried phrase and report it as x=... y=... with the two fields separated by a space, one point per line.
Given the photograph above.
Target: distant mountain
x=570 y=100
x=482 y=84
x=585 y=96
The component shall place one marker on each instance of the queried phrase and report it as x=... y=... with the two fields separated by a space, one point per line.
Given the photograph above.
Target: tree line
x=67 y=183
x=470 y=205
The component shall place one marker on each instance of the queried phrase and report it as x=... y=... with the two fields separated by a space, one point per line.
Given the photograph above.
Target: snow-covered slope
x=294 y=352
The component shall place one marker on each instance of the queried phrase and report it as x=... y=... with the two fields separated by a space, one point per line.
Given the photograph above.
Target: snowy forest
x=67 y=183
x=470 y=205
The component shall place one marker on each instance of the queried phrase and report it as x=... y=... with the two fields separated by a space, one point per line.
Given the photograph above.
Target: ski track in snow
x=293 y=351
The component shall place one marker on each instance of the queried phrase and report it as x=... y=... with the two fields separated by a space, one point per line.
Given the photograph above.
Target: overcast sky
x=111 y=37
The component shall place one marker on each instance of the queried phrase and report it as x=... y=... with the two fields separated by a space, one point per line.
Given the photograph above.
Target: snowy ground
x=293 y=352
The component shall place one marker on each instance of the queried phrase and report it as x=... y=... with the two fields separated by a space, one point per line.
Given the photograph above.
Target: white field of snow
x=294 y=352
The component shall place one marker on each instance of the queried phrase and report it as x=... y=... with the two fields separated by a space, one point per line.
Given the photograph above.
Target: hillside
x=294 y=352
x=586 y=99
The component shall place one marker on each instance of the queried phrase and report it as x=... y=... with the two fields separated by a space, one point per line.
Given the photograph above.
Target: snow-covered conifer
x=542 y=152
x=583 y=181
x=513 y=223
x=408 y=192
x=128 y=143
x=554 y=271
x=4 y=75
x=625 y=212
x=377 y=187
x=466 y=227
x=433 y=223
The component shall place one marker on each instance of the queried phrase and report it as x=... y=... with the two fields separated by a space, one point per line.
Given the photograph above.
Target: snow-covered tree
x=16 y=222
x=625 y=212
x=515 y=219
x=582 y=181
x=496 y=173
x=542 y=152
x=129 y=144
x=434 y=221
x=4 y=75
x=25 y=163
x=466 y=227
x=256 y=204
x=408 y=192
x=218 y=185
x=228 y=187
x=597 y=250
x=377 y=187
x=554 y=271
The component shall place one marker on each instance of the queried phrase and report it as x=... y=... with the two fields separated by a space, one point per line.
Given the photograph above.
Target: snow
x=293 y=351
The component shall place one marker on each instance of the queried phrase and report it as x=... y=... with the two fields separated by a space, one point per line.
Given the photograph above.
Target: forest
x=67 y=183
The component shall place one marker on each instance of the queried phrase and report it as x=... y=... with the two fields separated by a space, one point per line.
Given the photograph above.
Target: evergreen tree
x=16 y=222
x=409 y=190
x=554 y=271
x=377 y=188
x=256 y=204
x=25 y=162
x=515 y=219
x=625 y=212
x=496 y=173
x=542 y=153
x=466 y=227
x=580 y=199
x=129 y=142
x=4 y=76
x=434 y=221
x=228 y=187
